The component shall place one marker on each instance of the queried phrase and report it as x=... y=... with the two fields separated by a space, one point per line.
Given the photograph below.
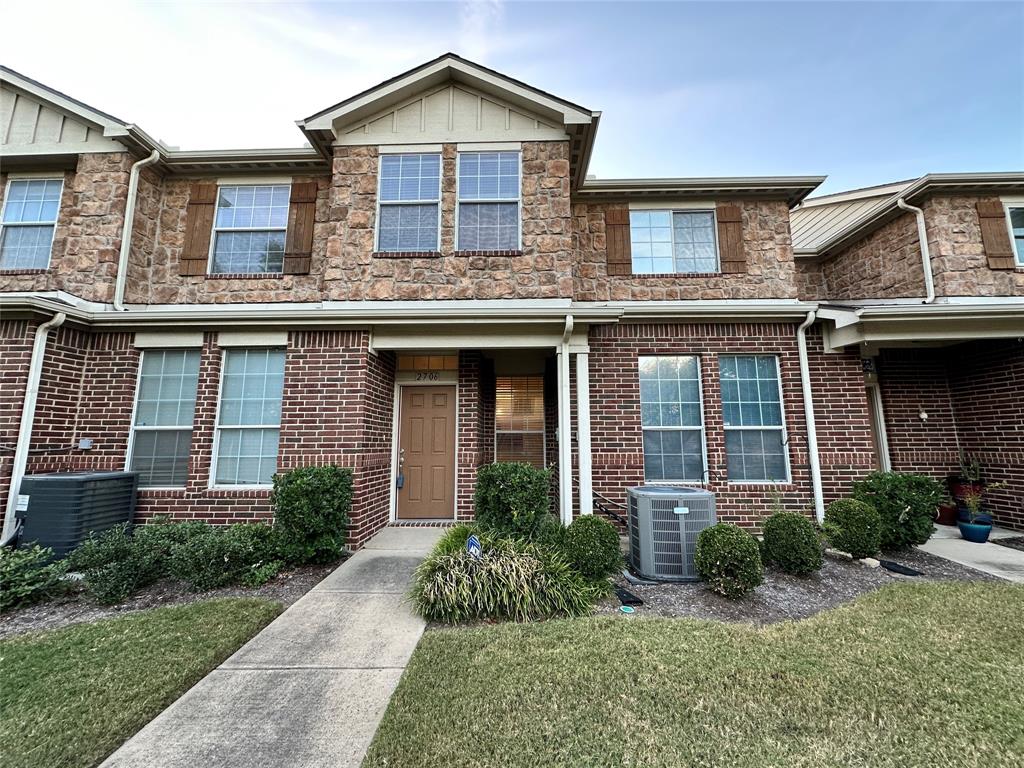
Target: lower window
x=755 y=436
x=519 y=420
x=249 y=418
x=672 y=418
x=164 y=409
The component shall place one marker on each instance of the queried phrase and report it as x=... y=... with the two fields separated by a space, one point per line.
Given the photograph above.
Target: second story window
x=409 y=202
x=1016 y=218
x=665 y=242
x=488 y=201
x=29 y=219
x=249 y=228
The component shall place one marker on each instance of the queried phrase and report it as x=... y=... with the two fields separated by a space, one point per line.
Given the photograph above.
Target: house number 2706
x=428 y=376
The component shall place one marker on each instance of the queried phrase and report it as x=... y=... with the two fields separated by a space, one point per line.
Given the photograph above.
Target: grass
x=71 y=696
x=908 y=676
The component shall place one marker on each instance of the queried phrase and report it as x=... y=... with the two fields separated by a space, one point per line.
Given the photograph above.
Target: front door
x=426 y=453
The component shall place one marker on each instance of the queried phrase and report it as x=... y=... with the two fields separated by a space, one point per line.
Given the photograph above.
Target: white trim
x=52 y=224
x=755 y=428
x=241 y=180
x=875 y=393
x=410 y=149
x=583 y=447
x=671 y=205
x=396 y=422
x=518 y=200
x=252 y=339
x=48 y=175
x=489 y=146
x=216 y=229
x=168 y=339
x=706 y=471
x=437 y=202
x=711 y=208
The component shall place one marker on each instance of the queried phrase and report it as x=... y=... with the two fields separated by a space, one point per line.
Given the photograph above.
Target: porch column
x=583 y=432
x=564 y=438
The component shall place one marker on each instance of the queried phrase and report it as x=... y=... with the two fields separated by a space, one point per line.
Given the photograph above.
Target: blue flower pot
x=963 y=516
x=977 y=531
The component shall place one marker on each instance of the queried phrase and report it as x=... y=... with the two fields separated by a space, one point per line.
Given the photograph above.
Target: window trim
x=672 y=210
x=1013 y=203
x=518 y=200
x=543 y=431
x=440 y=193
x=130 y=452
x=53 y=225
x=782 y=417
x=215 y=229
x=212 y=483
x=706 y=472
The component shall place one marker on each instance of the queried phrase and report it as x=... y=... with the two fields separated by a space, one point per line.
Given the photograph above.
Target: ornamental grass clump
x=791 y=544
x=727 y=558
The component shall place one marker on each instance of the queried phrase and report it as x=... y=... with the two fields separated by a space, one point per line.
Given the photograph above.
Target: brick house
x=434 y=283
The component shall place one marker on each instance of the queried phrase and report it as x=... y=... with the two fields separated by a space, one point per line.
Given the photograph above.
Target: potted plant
x=967 y=480
x=946 y=514
x=978 y=524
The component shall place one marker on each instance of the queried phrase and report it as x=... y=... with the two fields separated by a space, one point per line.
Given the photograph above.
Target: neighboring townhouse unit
x=434 y=283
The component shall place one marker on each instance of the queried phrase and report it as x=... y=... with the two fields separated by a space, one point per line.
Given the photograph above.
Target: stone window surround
x=242 y=182
x=431 y=150
x=463 y=149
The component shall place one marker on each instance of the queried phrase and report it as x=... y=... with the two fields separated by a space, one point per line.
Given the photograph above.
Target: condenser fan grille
x=663 y=527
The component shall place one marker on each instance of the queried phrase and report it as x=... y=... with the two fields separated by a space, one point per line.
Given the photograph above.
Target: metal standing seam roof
x=816 y=220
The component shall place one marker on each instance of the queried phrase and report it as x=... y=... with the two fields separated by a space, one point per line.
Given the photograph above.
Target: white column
x=564 y=437
x=583 y=431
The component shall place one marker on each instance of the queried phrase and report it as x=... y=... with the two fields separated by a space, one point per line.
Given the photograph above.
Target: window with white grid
x=1016 y=219
x=519 y=419
x=409 y=202
x=488 y=201
x=673 y=241
x=672 y=418
x=755 y=435
x=249 y=228
x=165 y=406
x=28 y=221
x=249 y=417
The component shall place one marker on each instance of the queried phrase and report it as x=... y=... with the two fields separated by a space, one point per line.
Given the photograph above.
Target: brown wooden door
x=426 y=451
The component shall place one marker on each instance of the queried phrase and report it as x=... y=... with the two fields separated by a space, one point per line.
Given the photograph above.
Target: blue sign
x=473 y=547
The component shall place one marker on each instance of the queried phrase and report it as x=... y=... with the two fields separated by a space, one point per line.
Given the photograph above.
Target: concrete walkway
x=311 y=688
x=1004 y=562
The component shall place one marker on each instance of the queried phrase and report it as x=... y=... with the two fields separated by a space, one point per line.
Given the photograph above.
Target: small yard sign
x=473 y=547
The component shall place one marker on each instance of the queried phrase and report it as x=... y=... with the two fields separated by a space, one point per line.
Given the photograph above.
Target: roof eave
x=793 y=189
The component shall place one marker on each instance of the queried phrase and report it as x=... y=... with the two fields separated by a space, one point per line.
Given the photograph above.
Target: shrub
x=160 y=536
x=550 y=533
x=114 y=564
x=512 y=580
x=211 y=560
x=512 y=498
x=791 y=543
x=905 y=504
x=28 y=575
x=854 y=527
x=591 y=545
x=727 y=558
x=311 y=508
x=256 y=545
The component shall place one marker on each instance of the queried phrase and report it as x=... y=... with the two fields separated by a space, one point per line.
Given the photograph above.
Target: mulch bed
x=781 y=597
x=1014 y=542
x=77 y=607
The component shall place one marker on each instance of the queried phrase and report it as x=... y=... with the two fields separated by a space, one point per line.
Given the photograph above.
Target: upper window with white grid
x=29 y=218
x=488 y=201
x=673 y=241
x=249 y=229
x=409 y=202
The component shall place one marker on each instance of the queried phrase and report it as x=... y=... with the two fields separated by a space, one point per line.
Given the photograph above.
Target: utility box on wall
x=60 y=509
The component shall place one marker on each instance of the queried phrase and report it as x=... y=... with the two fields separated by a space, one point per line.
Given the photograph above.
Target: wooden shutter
x=198 y=228
x=994 y=235
x=298 y=247
x=730 y=239
x=620 y=253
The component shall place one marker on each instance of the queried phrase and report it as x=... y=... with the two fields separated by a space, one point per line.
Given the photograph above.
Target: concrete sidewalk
x=1004 y=562
x=311 y=688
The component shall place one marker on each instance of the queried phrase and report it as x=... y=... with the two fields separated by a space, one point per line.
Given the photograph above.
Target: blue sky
x=865 y=92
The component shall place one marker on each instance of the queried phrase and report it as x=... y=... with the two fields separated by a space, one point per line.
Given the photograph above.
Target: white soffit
x=252 y=339
x=168 y=340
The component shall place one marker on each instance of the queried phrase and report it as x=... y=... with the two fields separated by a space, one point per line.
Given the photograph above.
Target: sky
x=865 y=92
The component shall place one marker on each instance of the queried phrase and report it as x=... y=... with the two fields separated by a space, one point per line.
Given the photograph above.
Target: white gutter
x=564 y=427
x=28 y=414
x=812 y=433
x=126 y=231
x=926 y=257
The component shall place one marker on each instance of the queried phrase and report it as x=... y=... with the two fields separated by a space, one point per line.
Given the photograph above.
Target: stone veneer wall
x=883 y=265
x=87 y=237
x=810 y=281
x=541 y=270
x=767 y=243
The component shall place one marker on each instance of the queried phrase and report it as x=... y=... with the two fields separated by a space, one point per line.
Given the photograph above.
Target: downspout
x=28 y=415
x=126 y=231
x=812 y=432
x=564 y=427
x=926 y=257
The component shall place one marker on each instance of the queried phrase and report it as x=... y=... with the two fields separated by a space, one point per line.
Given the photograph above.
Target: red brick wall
x=841 y=411
x=15 y=353
x=372 y=503
x=469 y=455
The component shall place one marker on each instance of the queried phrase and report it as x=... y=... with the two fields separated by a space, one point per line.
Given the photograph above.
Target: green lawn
x=70 y=697
x=908 y=676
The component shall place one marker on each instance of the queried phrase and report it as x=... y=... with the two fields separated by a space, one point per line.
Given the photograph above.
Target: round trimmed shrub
x=591 y=545
x=727 y=558
x=512 y=498
x=791 y=543
x=311 y=506
x=853 y=527
x=905 y=503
